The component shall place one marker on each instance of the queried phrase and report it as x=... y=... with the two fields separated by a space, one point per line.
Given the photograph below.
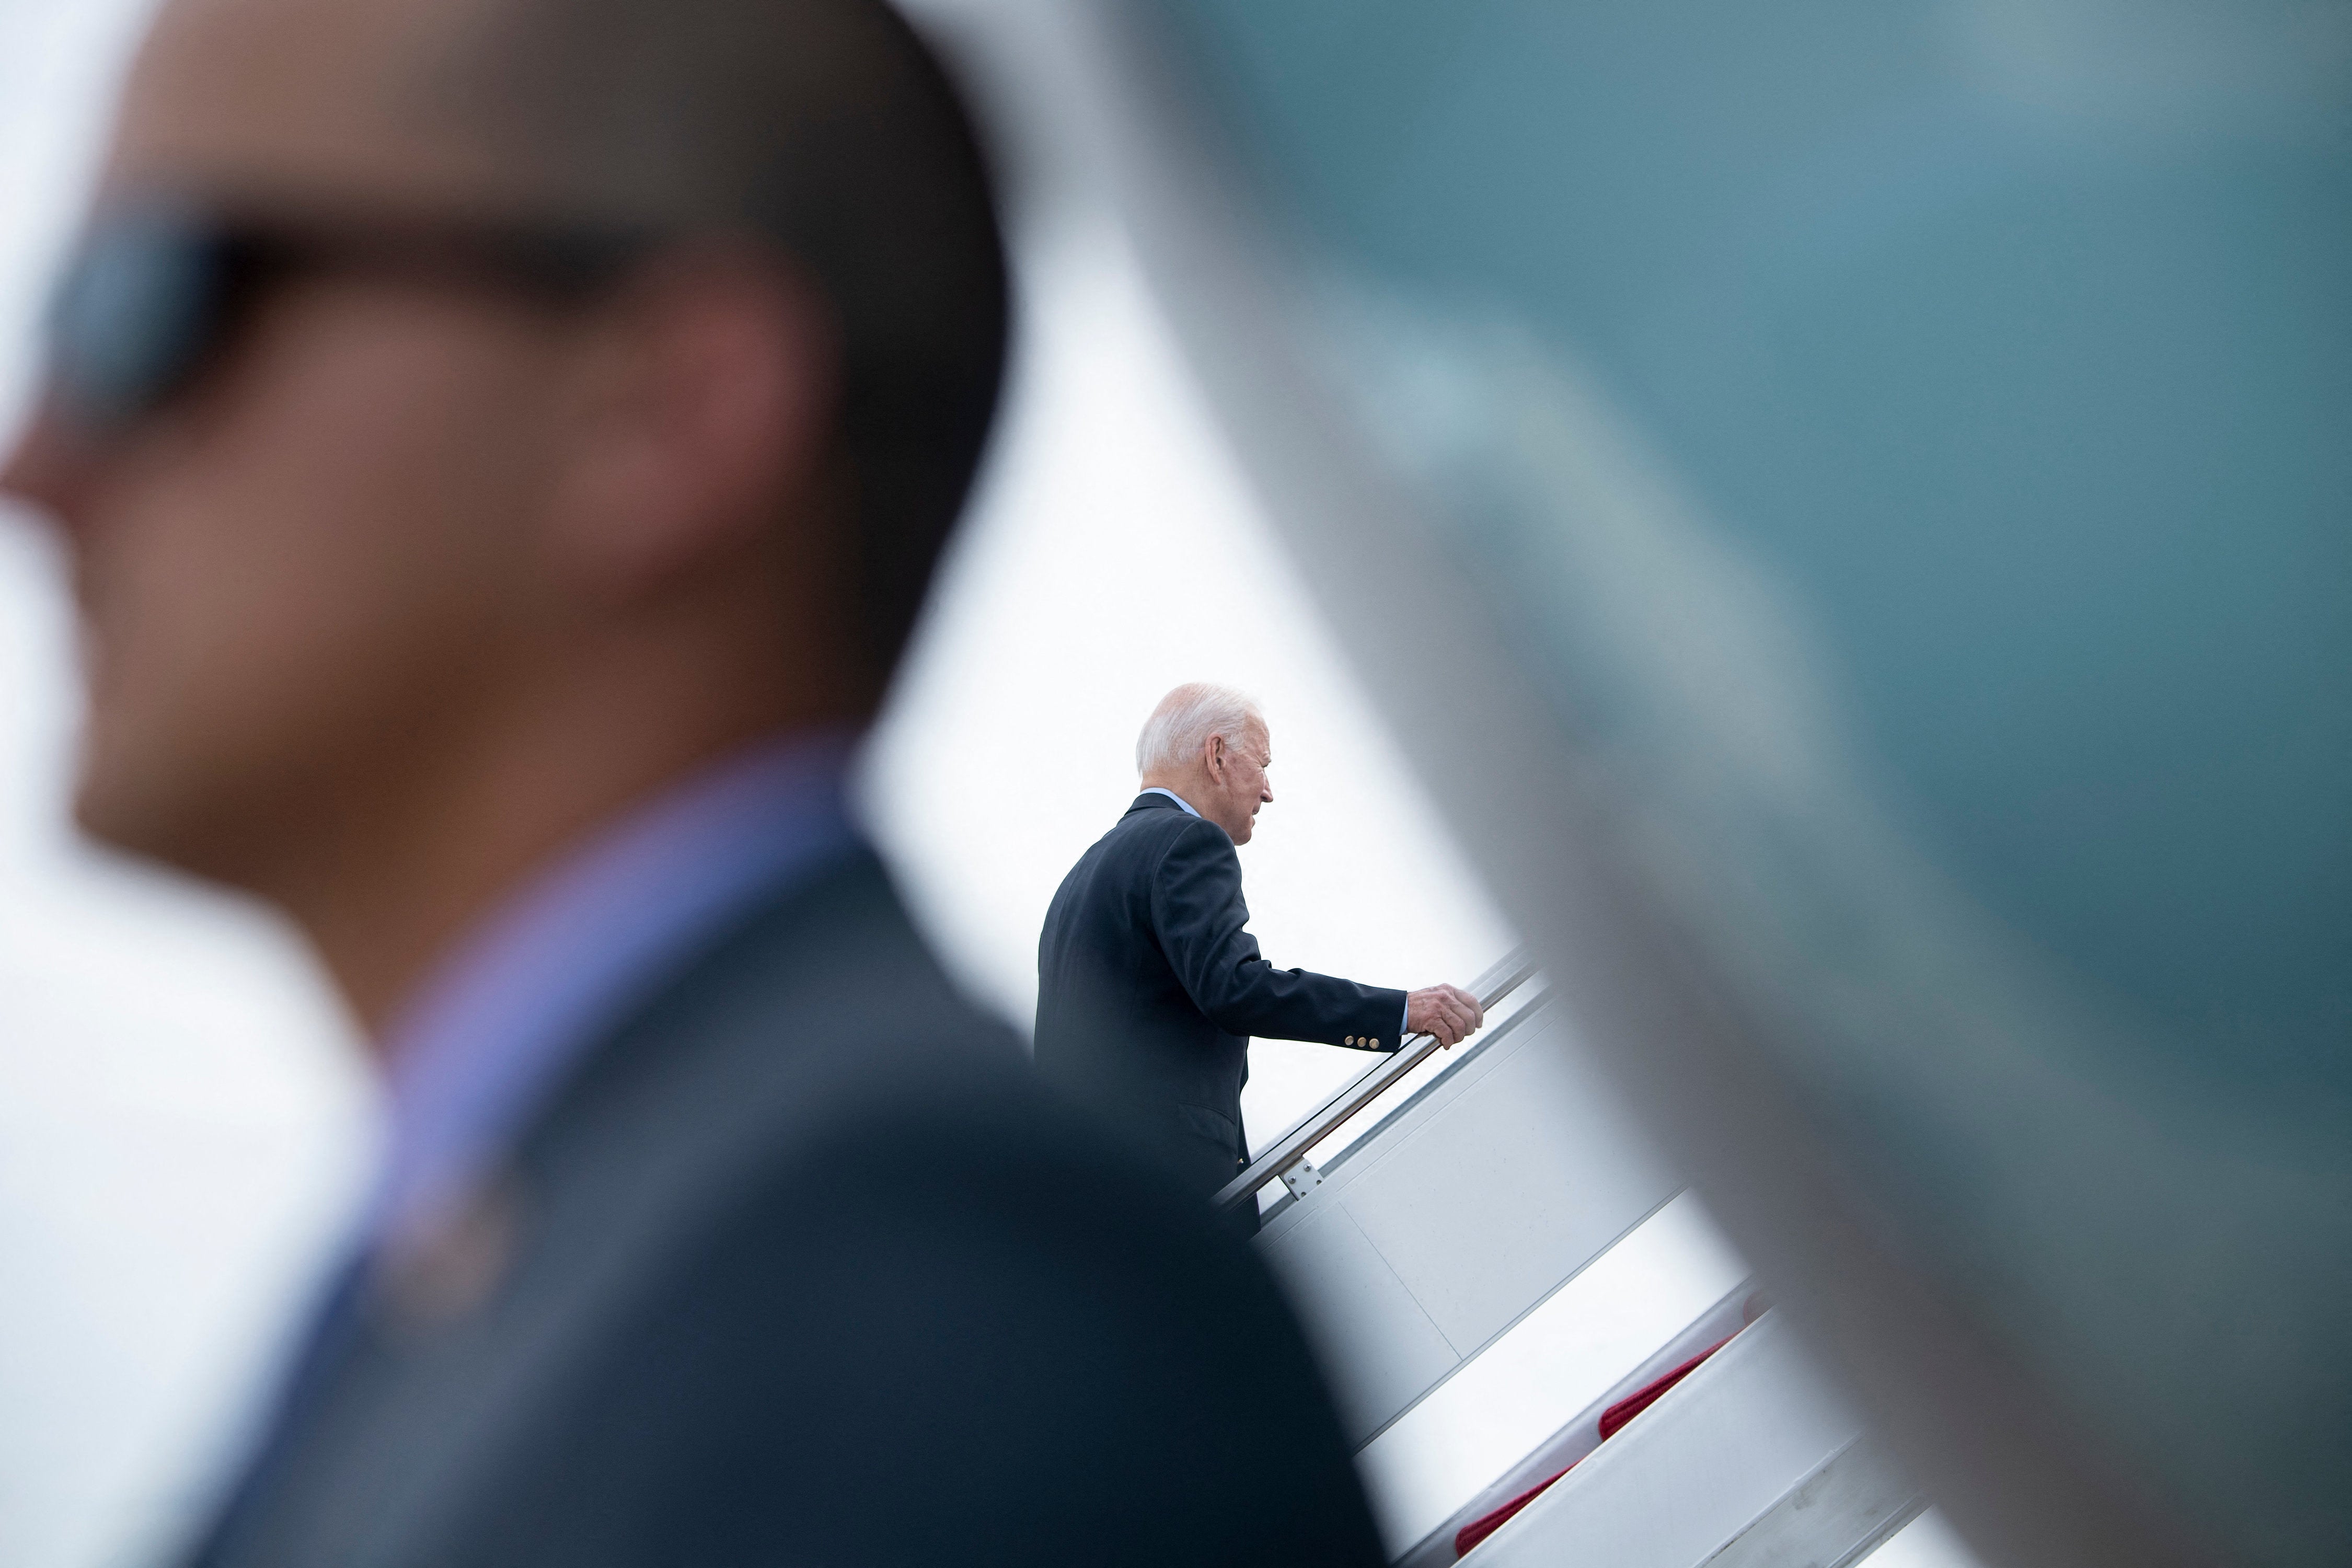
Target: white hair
x=1185 y=720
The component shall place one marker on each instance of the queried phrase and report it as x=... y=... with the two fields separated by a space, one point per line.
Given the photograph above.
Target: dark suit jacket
x=1150 y=988
x=805 y=1268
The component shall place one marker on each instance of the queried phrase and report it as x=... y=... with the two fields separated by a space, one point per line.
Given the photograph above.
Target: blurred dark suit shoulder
x=803 y=1267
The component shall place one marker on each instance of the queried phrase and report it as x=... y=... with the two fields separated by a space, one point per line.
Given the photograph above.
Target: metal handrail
x=1333 y=1114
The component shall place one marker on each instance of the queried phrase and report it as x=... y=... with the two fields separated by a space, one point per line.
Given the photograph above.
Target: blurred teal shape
x=1910 y=446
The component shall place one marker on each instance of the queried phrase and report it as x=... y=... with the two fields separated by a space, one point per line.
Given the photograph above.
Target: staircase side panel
x=1692 y=1472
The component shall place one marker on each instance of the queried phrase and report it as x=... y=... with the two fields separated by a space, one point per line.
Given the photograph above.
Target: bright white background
x=181 y=1116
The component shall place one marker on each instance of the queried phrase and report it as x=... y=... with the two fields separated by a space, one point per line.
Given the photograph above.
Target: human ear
x=703 y=405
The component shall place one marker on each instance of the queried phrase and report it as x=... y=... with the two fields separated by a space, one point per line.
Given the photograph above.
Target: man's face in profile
x=285 y=570
x=1245 y=786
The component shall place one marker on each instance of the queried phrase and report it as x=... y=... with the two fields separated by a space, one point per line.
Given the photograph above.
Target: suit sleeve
x=1201 y=923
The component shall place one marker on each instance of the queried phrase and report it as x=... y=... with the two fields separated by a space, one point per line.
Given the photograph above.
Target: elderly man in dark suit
x=501 y=445
x=1149 y=983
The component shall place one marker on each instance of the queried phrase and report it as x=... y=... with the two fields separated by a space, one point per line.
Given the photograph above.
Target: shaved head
x=273 y=96
x=826 y=129
x=412 y=569
x=823 y=128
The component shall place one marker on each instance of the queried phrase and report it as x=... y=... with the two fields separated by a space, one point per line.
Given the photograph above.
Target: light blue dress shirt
x=497 y=1026
x=1171 y=794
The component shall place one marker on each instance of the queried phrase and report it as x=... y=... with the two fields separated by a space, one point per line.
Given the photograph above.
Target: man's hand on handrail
x=1448 y=1012
x=1498 y=982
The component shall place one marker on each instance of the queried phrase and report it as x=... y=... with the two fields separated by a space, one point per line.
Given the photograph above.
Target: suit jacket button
x=1351 y=1039
x=1374 y=1044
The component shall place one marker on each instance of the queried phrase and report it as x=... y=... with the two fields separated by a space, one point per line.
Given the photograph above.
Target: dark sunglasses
x=155 y=292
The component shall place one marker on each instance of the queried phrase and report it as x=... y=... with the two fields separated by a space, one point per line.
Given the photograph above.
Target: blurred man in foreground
x=502 y=446
x=1148 y=983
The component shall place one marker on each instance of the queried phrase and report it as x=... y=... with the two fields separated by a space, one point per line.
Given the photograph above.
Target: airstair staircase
x=1496 y=1268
